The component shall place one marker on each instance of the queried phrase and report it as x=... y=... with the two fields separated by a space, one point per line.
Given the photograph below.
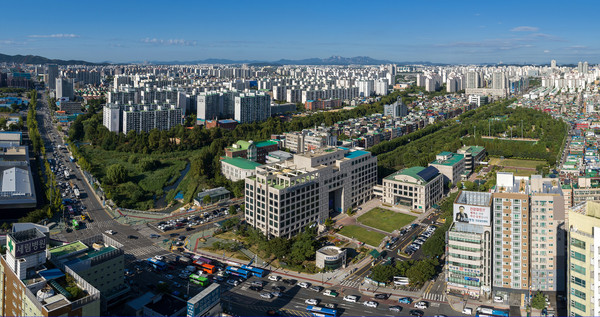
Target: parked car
x=405 y=300
x=274 y=278
x=395 y=309
x=266 y=295
x=382 y=296
x=304 y=284
x=255 y=288
x=277 y=294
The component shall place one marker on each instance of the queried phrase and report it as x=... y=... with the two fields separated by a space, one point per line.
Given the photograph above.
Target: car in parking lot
x=395 y=309
x=132 y=237
x=350 y=298
x=257 y=283
x=278 y=288
x=255 y=288
x=304 y=284
x=277 y=294
x=289 y=281
x=416 y=312
x=311 y=301
x=498 y=299
x=111 y=232
x=371 y=303
x=266 y=295
x=274 y=278
x=233 y=282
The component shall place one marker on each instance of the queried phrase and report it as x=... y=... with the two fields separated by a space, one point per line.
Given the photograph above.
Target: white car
x=498 y=299
x=371 y=303
x=350 y=298
x=159 y=257
x=266 y=295
x=421 y=305
x=304 y=284
x=274 y=278
x=111 y=232
x=311 y=301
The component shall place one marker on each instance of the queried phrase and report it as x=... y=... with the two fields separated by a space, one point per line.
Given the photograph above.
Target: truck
x=76 y=192
x=71 y=158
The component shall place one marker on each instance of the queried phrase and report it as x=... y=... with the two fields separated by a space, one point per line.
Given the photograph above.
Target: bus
x=208 y=269
x=198 y=260
x=75 y=224
x=157 y=265
x=321 y=311
x=483 y=311
x=237 y=271
x=255 y=271
x=199 y=280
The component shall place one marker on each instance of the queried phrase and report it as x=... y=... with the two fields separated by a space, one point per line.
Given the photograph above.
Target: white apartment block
x=148 y=117
x=285 y=197
x=252 y=107
x=111 y=117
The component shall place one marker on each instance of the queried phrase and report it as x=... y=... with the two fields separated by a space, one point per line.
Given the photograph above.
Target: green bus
x=75 y=224
x=199 y=280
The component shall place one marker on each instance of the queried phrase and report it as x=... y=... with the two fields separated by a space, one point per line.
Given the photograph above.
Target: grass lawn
x=517 y=162
x=518 y=172
x=363 y=235
x=386 y=220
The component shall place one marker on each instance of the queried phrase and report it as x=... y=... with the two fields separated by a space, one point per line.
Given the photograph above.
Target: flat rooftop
x=68 y=248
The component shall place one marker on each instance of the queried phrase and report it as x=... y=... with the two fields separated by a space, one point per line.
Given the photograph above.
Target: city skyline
x=468 y=32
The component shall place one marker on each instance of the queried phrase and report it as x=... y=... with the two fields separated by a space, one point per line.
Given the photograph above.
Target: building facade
x=237 y=168
x=417 y=188
x=285 y=197
x=451 y=165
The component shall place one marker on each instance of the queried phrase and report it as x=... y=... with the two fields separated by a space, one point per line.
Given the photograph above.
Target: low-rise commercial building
x=473 y=154
x=417 y=188
x=206 y=303
x=238 y=168
x=330 y=258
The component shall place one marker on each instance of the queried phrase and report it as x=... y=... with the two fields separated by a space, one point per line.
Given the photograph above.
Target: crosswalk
x=102 y=224
x=284 y=311
x=352 y=283
x=435 y=297
x=142 y=252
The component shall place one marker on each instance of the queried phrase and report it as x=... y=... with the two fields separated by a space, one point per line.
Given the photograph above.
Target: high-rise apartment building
x=548 y=236
x=499 y=80
x=282 y=198
x=252 y=107
x=52 y=75
x=396 y=110
x=553 y=63
x=473 y=80
x=583 y=280
x=469 y=245
x=381 y=87
x=149 y=117
x=511 y=233
x=365 y=88
x=580 y=67
x=64 y=88
x=215 y=105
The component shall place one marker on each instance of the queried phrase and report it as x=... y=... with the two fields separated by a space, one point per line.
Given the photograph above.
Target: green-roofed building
x=253 y=151
x=473 y=154
x=238 y=168
x=416 y=187
x=451 y=165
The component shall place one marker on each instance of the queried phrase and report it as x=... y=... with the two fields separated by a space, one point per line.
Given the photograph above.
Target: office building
x=511 y=233
x=583 y=279
x=469 y=246
x=31 y=286
x=283 y=198
x=252 y=107
x=238 y=168
x=52 y=73
x=451 y=165
x=396 y=110
x=253 y=151
x=417 y=188
x=548 y=235
x=64 y=88
x=473 y=155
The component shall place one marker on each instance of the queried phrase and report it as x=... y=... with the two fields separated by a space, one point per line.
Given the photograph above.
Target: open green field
x=142 y=186
x=516 y=162
x=385 y=219
x=519 y=172
x=363 y=235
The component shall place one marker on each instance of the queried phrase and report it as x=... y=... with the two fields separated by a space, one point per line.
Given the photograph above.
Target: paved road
x=134 y=248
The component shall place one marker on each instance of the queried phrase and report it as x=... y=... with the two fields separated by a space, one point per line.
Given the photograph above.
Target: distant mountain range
x=34 y=59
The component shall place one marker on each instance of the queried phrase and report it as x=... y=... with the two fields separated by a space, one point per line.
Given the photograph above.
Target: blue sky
x=439 y=31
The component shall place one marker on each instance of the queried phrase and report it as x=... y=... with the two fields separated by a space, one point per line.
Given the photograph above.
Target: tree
x=421 y=271
x=329 y=222
x=383 y=273
x=76 y=131
x=538 y=301
x=149 y=164
x=232 y=210
x=279 y=247
x=206 y=200
x=116 y=174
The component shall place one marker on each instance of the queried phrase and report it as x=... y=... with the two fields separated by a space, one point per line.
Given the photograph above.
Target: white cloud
x=179 y=42
x=525 y=29
x=55 y=36
x=546 y=51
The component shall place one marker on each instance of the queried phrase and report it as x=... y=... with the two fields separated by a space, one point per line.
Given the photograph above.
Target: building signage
x=477 y=215
x=25 y=248
x=462 y=269
x=204 y=301
x=474 y=279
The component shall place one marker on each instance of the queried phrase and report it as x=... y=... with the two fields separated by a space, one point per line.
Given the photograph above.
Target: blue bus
x=255 y=271
x=321 y=311
x=237 y=271
x=157 y=265
x=483 y=311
